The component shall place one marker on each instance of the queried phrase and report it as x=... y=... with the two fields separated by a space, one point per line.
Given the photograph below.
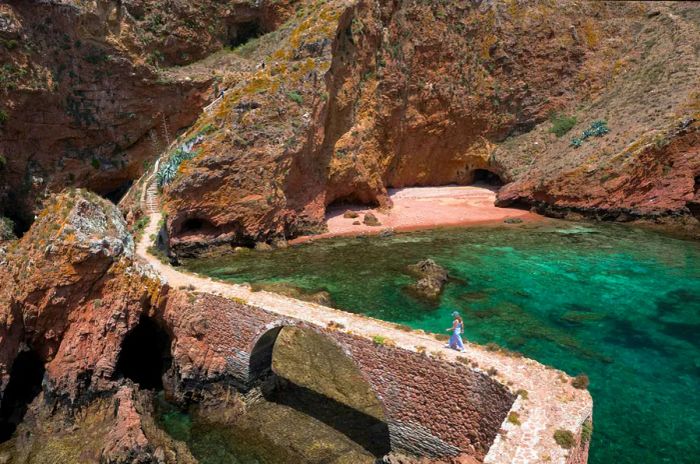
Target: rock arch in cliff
x=307 y=370
x=26 y=377
x=145 y=354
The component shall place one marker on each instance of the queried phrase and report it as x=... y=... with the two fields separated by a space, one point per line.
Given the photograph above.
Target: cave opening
x=196 y=225
x=145 y=355
x=243 y=32
x=352 y=202
x=694 y=206
x=116 y=195
x=484 y=176
x=26 y=376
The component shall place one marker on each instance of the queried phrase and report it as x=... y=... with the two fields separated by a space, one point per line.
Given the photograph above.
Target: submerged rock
x=432 y=278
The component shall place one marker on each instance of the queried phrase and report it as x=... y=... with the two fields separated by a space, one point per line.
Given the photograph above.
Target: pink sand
x=423 y=208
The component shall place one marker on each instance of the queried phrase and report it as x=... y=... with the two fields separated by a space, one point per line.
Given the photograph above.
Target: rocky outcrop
x=72 y=292
x=351 y=98
x=431 y=279
x=88 y=92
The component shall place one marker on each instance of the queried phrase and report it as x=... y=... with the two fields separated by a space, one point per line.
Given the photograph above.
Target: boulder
x=371 y=220
x=431 y=278
x=350 y=214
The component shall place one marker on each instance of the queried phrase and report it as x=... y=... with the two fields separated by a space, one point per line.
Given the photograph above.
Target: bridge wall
x=433 y=407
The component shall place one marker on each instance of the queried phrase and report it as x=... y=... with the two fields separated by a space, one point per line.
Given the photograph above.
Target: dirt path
x=422 y=208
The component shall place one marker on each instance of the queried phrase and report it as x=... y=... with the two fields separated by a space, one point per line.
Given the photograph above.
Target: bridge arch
x=316 y=373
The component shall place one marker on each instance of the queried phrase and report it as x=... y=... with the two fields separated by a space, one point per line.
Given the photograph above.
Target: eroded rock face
x=88 y=90
x=71 y=292
x=352 y=98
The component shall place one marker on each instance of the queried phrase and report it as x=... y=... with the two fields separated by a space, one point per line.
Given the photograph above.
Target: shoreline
x=422 y=208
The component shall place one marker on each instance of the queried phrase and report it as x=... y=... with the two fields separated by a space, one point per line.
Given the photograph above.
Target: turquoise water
x=617 y=303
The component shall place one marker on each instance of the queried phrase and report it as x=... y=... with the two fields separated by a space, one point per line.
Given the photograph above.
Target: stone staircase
x=150 y=203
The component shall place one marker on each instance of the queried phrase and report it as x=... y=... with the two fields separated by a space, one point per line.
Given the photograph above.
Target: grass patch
x=561 y=124
x=295 y=97
x=564 y=438
x=514 y=418
x=522 y=393
x=586 y=431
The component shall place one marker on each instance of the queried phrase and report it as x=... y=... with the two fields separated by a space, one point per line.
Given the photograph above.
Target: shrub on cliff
x=598 y=129
x=580 y=381
x=564 y=438
x=6 y=229
x=168 y=169
x=561 y=124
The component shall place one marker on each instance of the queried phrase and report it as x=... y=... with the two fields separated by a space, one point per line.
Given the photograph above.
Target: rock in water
x=432 y=278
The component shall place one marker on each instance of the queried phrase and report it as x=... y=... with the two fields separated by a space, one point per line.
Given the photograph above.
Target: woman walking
x=456 y=329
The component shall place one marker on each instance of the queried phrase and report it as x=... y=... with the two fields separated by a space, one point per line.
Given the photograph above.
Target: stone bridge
x=491 y=405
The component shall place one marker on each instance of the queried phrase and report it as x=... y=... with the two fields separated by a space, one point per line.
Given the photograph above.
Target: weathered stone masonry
x=419 y=394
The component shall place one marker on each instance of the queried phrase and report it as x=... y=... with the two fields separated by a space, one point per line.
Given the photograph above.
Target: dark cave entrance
x=353 y=202
x=484 y=176
x=145 y=355
x=357 y=422
x=241 y=33
x=116 y=195
x=26 y=376
x=694 y=206
x=196 y=225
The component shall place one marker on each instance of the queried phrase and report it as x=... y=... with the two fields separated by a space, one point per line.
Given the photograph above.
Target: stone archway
x=301 y=367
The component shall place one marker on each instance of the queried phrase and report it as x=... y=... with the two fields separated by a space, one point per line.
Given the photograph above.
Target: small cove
x=618 y=303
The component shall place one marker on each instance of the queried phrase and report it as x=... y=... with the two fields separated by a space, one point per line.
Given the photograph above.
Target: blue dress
x=456 y=338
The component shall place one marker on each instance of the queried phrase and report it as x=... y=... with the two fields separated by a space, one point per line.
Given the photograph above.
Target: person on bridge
x=456 y=329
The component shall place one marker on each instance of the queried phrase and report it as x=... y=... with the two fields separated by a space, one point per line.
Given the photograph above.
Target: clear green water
x=617 y=303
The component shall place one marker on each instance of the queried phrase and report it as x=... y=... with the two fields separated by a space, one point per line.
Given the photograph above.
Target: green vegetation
x=295 y=97
x=3 y=117
x=7 y=229
x=95 y=163
x=11 y=76
x=9 y=44
x=139 y=226
x=522 y=393
x=564 y=438
x=514 y=418
x=586 y=431
x=3 y=162
x=598 y=129
x=580 y=381
x=379 y=340
x=561 y=124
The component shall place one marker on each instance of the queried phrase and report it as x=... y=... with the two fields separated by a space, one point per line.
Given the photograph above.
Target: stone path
x=551 y=404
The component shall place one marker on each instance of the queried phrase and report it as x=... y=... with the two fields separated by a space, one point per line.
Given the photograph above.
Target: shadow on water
x=365 y=430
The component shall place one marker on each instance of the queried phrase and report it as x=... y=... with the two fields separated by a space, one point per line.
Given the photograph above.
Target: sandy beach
x=422 y=208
